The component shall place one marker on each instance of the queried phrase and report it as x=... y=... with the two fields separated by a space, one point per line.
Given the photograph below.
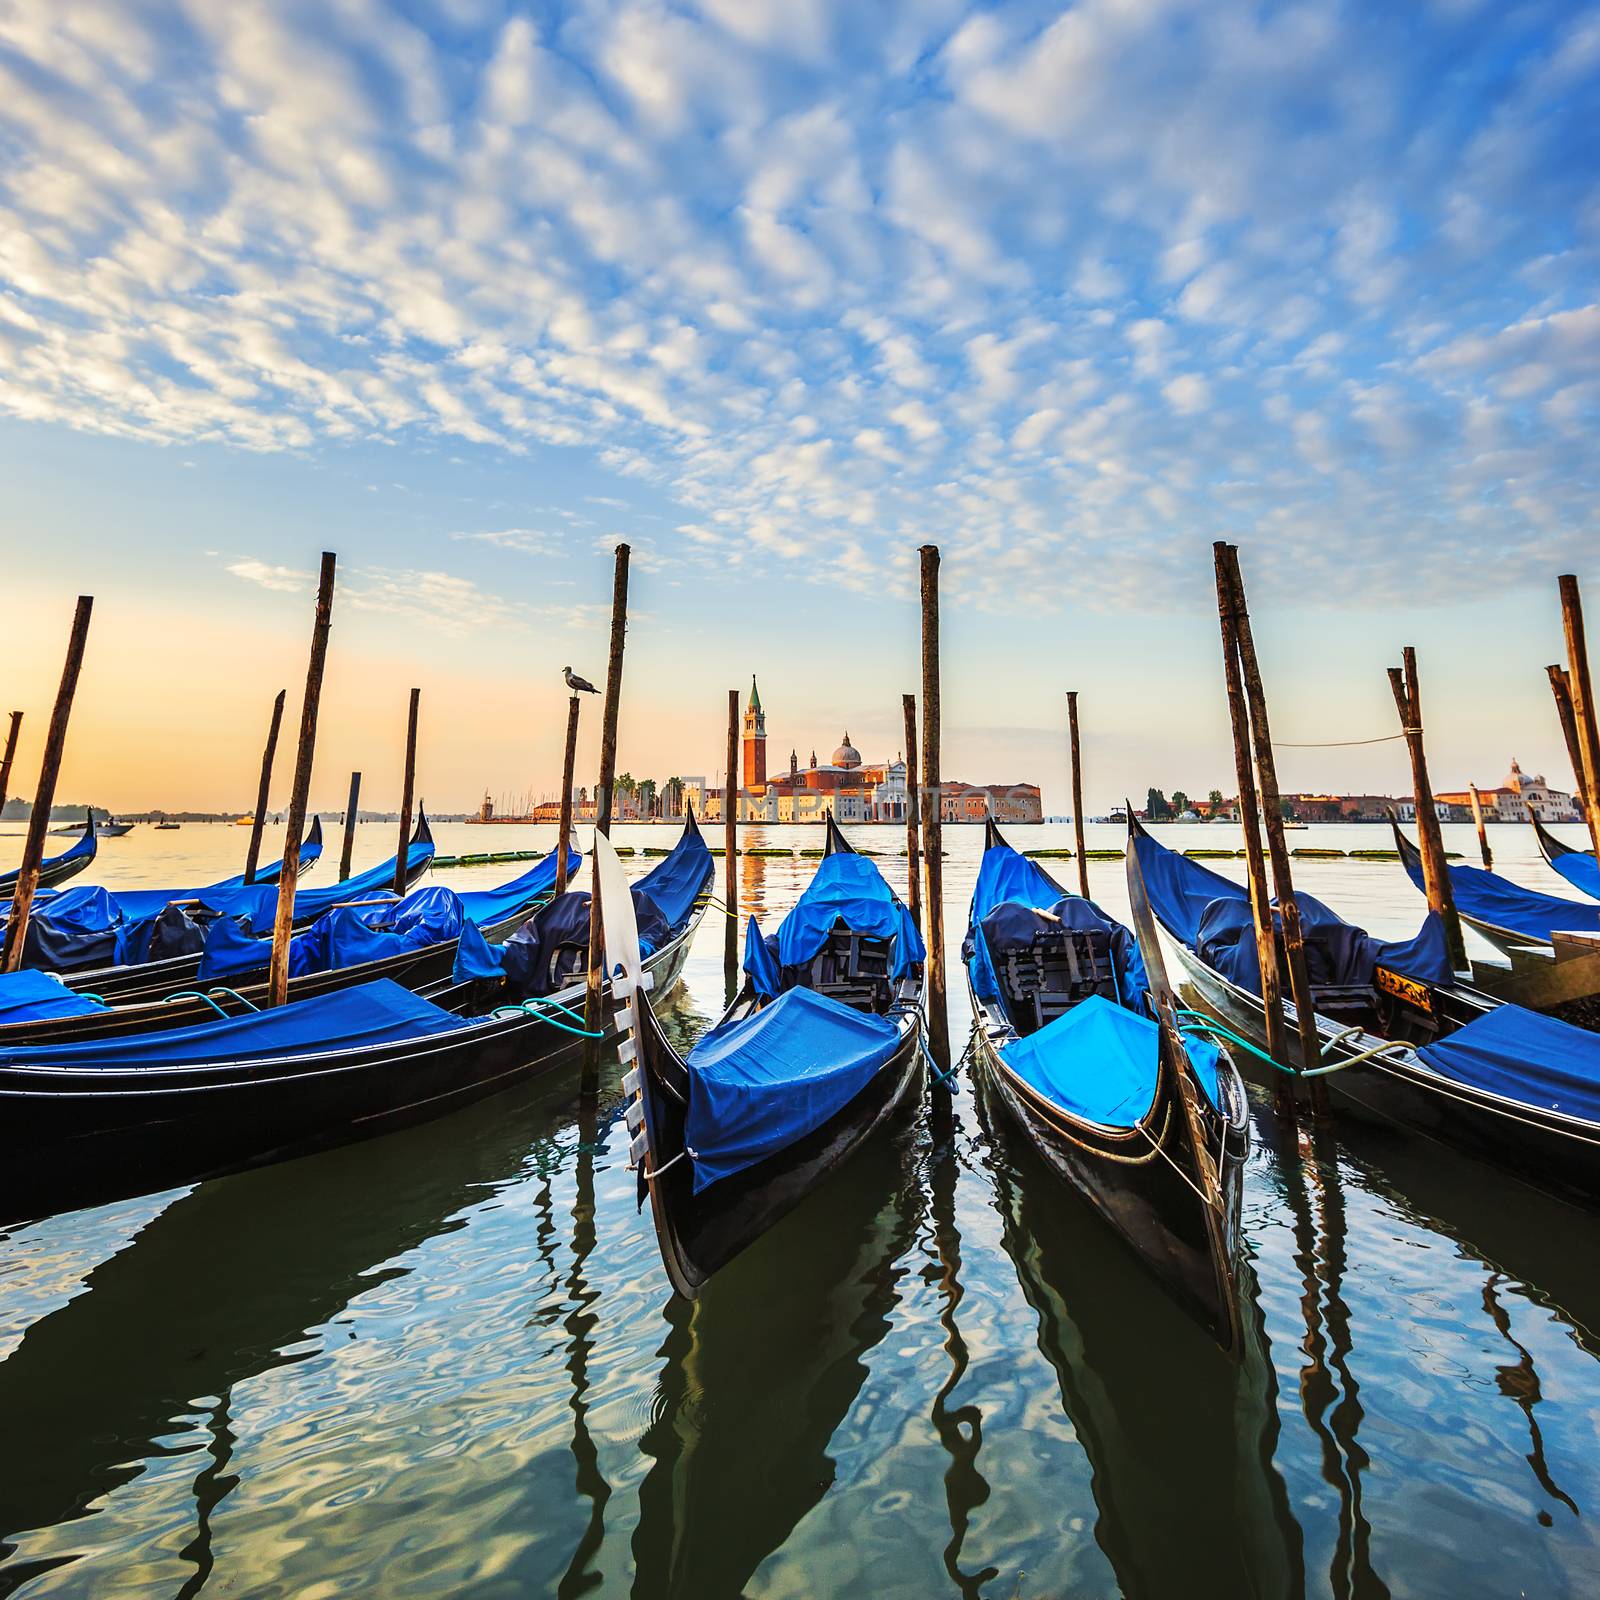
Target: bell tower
x=755 y=742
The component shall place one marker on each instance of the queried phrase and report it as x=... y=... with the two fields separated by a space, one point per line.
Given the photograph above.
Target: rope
x=233 y=994
x=194 y=994
x=1340 y=744
x=655 y=1172
x=540 y=1009
x=1204 y=1024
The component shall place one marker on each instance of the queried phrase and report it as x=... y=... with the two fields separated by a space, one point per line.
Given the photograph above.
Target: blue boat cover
x=1487 y=897
x=83 y=849
x=847 y=889
x=759 y=1084
x=486 y=907
x=1009 y=891
x=662 y=901
x=375 y=1013
x=137 y=904
x=675 y=883
x=1101 y=1062
x=1527 y=1057
x=28 y=996
x=1211 y=915
x=759 y=961
x=1579 y=868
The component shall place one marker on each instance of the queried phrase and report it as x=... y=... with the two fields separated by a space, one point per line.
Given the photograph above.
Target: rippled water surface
x=446 y=1362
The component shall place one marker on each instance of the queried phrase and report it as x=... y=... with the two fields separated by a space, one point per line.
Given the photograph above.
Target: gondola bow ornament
x=629 y=984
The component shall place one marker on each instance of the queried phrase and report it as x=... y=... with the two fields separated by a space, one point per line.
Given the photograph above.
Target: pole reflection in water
x=960 y=1428
x=758 y=1375
x=1181 y=1440
x=222 y=1286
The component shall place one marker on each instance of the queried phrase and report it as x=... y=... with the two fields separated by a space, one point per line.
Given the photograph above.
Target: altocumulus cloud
x=1036 y=281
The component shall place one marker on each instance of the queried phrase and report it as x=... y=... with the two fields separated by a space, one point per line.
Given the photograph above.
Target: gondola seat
x=1045 y=965
x=852 y=968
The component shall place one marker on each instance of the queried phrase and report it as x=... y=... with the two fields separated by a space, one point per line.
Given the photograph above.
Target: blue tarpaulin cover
x=670 y=888
x=847 y=888
x=1488 y=897
x=139 y=903
x=28 y=996
x=1578 y=867
x=759 y=962
x=82 y=849
x=368 y=1014
x=486 y=907
x=1524 y=1056
x=759 y=1084
x=1211 y=915
x=1100 y=1061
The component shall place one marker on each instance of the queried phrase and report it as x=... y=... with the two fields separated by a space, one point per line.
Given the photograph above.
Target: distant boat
x=167 y=827
x=245 y=822
x=109 y=829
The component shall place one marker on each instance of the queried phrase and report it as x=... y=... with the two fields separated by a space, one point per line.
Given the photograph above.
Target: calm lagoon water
x=446 y=1362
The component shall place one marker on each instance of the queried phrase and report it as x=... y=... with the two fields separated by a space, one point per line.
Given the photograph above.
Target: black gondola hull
x=700 y=1233
x=87 y=1137
x=1142 y=1184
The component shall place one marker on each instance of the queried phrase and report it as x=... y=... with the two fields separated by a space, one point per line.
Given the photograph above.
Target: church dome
x=847 y=755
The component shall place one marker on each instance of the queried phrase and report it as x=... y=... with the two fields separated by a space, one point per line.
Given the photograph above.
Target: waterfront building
x=1513 y=800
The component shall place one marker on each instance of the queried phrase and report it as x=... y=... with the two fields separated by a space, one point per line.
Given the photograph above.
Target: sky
x=777 y=291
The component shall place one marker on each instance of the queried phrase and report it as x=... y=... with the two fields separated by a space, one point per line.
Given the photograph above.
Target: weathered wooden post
x=1250 y=822
x=1272 y=823
x=402 y=860
x=1580 y=687
x=1477 y=821
x=908 y=707
x=568 y=761
x=730 y=843
x=44 y=796
x=932 y=818
x=592 y=1019
x=1077 y=794
x=1561 y=688
x=283 y=923
x=258 y=818
x=352 y=812
x=9 y=756
x=1435 y=873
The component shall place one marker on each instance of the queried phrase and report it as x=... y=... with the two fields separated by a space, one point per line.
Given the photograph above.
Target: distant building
x=846 y=787
x=1512 y=800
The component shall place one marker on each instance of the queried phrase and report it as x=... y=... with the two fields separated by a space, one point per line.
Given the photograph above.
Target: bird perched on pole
x=577 y=684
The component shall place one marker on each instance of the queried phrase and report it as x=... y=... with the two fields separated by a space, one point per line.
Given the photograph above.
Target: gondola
x=1414 y=1043
x=89 y=1121
x=1153 y=1131
x=1576 y=865
x=414 y=941
x=1509 y=916
x=59 y=868
x=818 y=1051
x=145 y=943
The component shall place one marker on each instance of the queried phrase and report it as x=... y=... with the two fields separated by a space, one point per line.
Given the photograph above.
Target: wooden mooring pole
x=1294 y=949
x=908 y=708
x=1580 y=686
x=44 y=795
x=1077 y=793
x=1561 y=688
x=352 y=812
x=1477 y=821
x=283 y=923
x=258 y=819
x=1435 y=873
x=569 y=760
x=1250 y=822
x=592 y=1019
x=932 y=818
x=9 y=756
x=730 y=844
x=402 y=859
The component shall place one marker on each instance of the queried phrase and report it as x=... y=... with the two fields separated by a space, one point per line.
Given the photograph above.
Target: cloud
x=818 y=290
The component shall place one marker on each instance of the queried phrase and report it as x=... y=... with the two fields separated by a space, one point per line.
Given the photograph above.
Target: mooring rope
x=1339 y=744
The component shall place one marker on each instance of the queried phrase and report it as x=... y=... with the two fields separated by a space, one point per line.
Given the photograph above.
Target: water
x=446 y=1363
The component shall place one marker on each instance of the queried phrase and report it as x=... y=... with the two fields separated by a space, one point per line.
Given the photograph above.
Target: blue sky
x=778 y=291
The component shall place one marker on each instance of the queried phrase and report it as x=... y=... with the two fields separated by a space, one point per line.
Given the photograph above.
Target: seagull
x=575 y=684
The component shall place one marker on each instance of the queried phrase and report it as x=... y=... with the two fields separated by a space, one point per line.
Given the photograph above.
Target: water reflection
x=758 y=1375
x=223 y=1285
x=1181 y=1441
